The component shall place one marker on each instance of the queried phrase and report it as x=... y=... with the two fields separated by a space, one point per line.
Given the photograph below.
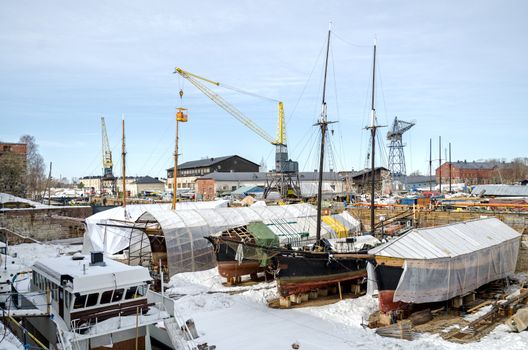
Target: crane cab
x=181 y=115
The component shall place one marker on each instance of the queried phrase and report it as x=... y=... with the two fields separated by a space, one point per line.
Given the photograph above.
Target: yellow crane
x=286 y=176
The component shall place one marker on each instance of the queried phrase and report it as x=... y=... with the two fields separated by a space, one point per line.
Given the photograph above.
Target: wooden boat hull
x=228 y=266
x=303 y=273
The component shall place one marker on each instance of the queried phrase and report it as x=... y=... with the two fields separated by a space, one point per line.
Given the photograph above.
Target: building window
x=233 y=188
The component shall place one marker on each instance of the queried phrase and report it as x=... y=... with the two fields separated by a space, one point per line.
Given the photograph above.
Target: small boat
x=86 y=301
x=236 y=252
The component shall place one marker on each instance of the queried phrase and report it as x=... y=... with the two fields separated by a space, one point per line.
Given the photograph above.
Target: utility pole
x=430 y=165
x=440 y=161
x=49 y=184
x=450 y=168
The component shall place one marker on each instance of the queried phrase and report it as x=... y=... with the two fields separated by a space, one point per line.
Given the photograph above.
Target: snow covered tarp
x=443 y=262
x=184 y=229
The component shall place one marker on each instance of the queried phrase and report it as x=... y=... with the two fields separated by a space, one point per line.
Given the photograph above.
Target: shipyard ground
x=239 y=317
x=244 y=320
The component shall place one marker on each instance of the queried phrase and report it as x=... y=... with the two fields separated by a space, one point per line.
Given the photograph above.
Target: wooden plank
x=479 y=306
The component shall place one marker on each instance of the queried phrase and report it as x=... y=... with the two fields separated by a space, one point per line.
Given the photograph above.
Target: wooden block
x=468 y=298
x=457 y=301
x=355 y=289
x=322 y=292
x=313 y=294
x=340 y=292
x=304 y=297
x=285 y=302
x=295 y=298
x=384 y=319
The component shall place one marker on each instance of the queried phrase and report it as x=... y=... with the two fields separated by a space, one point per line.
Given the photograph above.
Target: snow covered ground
x=244 y=321
x=239 y=318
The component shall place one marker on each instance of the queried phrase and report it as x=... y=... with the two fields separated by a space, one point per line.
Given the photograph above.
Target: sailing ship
x=323 y=265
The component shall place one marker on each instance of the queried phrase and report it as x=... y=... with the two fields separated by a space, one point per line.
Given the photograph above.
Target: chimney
x=97 y=259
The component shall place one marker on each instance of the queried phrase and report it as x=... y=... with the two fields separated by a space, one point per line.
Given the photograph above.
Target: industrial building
x=188 y=172
x=221 y=183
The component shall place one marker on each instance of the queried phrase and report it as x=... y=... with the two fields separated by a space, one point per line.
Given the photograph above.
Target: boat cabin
x=86 y=289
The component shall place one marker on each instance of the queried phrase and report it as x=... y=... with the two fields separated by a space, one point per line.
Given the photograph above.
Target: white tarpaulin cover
x=443 y=262
x=184 y=230
x=110 y=239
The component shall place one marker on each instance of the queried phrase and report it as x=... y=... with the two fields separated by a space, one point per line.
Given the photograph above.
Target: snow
x=238 y=317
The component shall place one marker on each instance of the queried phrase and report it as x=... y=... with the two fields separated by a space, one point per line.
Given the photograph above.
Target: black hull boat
x=301 y=272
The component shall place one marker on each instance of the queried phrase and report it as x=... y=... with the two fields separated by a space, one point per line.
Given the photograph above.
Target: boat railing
x=126 y=317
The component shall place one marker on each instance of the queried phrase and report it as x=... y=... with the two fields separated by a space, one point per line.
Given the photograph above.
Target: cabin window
x=106 y=297
x=92 y=299
x=130 y=293
x=118 y=295
x=79 y=302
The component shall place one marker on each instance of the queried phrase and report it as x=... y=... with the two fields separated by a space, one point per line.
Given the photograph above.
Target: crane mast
x=107 y=154
x=396 y=153
x=107 y=179
x=286 y=176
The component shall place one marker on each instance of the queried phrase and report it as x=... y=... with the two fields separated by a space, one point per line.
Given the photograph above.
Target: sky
x=456 y=68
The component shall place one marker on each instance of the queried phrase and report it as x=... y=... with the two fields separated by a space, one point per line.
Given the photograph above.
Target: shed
x=440 y=263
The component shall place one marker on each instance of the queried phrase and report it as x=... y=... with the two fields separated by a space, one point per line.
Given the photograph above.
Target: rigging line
x=349 y=43
x=338 y=113
x=306 y=147
x=247 y=92
x=159 y=143
x=306 y=84
x=382 y=90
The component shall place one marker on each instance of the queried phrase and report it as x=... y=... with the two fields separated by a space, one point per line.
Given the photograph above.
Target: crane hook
x=181 y=94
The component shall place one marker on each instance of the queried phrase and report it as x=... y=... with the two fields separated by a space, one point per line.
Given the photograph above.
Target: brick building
x=470 y=173
x=13 y=165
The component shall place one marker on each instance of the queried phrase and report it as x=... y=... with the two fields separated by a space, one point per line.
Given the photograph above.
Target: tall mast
x=323 y=124
x=373 y=128
x=123 y=154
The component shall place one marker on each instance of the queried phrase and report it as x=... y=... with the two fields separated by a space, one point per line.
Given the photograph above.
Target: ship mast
x=373 y=127
x=323 y=124
x=123 y=154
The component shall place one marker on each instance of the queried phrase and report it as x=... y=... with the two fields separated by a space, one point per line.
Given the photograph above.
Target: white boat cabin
x=86 y=289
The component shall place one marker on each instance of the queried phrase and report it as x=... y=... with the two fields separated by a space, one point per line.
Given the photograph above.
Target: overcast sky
x=458 y=68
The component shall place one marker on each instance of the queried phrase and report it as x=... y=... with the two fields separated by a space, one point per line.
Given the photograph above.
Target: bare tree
x=36 y=170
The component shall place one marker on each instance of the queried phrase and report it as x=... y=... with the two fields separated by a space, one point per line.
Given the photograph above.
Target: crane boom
x=193 y=78
x=286 y=176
